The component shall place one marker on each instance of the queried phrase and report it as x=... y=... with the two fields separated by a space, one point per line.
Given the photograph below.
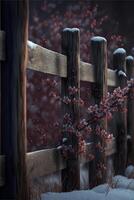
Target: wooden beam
x=15 y=24
x=49 y=161
x=2 y=45
x=110 y=148
x=47 y=61
x=130 y=107
x=44 y=162
x=71 y=48
x=99 y=91
x=119 y=62
x=2 y=170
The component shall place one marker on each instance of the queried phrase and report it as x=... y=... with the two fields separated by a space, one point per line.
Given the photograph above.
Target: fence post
x=2 y=58
x=119 y=64
x=71 y=48
x=99 y=56
x=130 y=108
x=14 y=16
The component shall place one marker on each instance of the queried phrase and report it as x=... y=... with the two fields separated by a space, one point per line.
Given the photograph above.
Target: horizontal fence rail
x=48 y=161
x=47 y=61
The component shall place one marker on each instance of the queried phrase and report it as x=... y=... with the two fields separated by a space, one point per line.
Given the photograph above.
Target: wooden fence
x=46 y=169
x=71 y=70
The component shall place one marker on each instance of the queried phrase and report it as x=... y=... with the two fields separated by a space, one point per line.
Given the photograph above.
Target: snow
x=71 y=29
x=113 y=194
x=121 y=73
x=31 y=45
x=129 y=172
x=98 y=39
x=130 y=58
x=104 y=188
x=120 y=51
x=123 y=182
x=123 y=189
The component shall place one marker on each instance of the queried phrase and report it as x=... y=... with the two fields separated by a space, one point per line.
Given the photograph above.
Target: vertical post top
x=130 y=66
x=119 y=59
x=130 y=60
x=71 y=30
x=98 y=39
x=119 y=51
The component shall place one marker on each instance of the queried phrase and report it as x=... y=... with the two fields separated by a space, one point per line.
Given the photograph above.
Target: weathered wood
x=15 y=25
x=99 y=56
x=47 y=61
x=130 y=104
x=119 y=63
x=1 y=42
x=2 y=45
x=110 y=148
x=43 y=184
x=48 y=161
x=44 y=162
x=2 y=170
x=111 y=78
x=71 y=48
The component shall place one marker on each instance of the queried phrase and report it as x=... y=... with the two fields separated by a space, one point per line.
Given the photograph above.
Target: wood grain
x=99 y=92
x=44 y=162
x=47 y=61
x=119 y=62
x=71 y=48
x=48 y=161
x=2 y=45
x=130 y=107
x=15 y=24
x=2 y=170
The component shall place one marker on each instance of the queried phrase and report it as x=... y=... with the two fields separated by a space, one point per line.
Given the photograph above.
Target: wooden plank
x=84 y=158
x=110 y=148
x=119 y=63
x=99 y=56
x=87 y=72
x=71 y=48
x=130 y=107
x=43 y=184
x=47 y=61
x=48 y=161
x=1 y=56
x=15 y=24
x=44 y=162
x=2 y=45
x=2 y=170
x=112 y=78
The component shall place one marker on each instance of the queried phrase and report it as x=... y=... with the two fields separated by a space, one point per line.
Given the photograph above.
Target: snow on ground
x=112 y=194
x=104 y=188
x=123 y=182
x=129 y=172
x=123 y=190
